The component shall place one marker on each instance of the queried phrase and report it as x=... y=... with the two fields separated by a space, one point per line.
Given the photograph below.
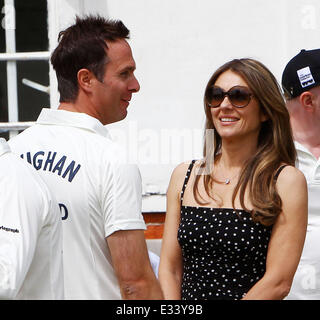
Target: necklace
x=227 y=181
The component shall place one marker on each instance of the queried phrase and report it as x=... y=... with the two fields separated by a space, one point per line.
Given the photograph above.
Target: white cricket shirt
x=97 y=190
x=306 y=283
x=30 y=233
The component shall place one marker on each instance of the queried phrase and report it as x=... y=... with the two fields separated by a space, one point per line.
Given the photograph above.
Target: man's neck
x=79 y=107
x=308 y=134
x=68 y=107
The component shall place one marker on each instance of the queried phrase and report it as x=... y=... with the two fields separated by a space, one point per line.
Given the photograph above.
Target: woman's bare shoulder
x=180 y=171
x=290 y=175
x=292 y=184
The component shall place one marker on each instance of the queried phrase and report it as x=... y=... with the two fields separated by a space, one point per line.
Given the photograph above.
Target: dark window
x=31 y=35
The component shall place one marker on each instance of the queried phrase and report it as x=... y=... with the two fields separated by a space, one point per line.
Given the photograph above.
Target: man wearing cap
x=301 y=85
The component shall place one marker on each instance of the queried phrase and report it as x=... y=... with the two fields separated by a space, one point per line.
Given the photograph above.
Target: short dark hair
x=83 y=45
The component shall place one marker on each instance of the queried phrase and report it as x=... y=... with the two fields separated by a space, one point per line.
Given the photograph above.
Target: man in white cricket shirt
x=301 y=84
x=99 y=194
x=30 y=233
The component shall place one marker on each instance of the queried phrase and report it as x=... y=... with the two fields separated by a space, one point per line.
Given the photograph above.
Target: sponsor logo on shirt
x=9 y=229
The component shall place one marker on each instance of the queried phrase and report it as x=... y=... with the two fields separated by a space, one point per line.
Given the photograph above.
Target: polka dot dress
x=224 y=251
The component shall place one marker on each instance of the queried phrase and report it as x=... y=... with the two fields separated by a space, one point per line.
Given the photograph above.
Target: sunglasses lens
x=239 y=96
x=215 y=96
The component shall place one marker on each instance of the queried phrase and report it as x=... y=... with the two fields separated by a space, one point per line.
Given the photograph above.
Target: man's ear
x=85 y=77
x=306 y=100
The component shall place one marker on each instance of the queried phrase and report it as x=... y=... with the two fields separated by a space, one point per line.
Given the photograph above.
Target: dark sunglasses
x=238 y=96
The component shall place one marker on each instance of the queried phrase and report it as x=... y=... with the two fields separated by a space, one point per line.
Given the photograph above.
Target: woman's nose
x=225 y=103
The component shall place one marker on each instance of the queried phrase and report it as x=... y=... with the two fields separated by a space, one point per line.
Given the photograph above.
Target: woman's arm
x=287 y=238
x=171 y=266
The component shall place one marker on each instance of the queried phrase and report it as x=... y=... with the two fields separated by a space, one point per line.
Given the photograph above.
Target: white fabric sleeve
x=122 y=199
x=20 y=225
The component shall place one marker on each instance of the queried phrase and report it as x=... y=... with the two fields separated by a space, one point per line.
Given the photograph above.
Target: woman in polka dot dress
x=236 y=220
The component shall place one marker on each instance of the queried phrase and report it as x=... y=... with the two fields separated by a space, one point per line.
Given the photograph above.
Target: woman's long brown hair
x=275 y=143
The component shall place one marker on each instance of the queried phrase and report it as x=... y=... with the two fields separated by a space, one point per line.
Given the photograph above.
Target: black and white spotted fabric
x=224 y=251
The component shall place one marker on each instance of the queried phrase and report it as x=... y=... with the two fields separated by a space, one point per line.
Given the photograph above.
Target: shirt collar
x=300 y=147
x=4 y=147
x=72 y=119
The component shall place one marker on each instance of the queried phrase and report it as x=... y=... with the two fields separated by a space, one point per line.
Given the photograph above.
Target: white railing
x=15 y=126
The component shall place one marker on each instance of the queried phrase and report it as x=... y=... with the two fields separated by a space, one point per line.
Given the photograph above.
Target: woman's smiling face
x=232 y=122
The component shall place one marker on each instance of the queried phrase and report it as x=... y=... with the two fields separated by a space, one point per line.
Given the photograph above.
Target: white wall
x=177 y=45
